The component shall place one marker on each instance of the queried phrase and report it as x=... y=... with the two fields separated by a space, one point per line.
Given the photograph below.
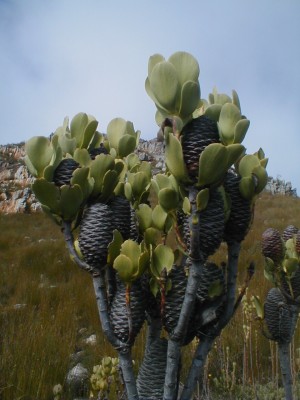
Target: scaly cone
x=241 y=210
x=196 y=135
x=127 y=318
x=96 y=232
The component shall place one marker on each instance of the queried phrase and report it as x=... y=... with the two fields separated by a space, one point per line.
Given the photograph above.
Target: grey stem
x=286 y=373
x=124 y=350
x=207 y=340
x=177 y=336
x=126 y=365
x=101 y=299
x=197 y=366
x=153 y=331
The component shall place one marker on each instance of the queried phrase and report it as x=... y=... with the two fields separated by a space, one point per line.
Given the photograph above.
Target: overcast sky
x=60 y=57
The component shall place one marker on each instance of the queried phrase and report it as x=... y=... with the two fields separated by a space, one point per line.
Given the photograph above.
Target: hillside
x=16 y=196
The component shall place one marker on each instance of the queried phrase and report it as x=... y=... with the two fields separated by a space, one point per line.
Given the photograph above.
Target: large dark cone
x=278 y=316
x=96 y=151
x=173 y=303
x=151 y=377
x=195 y=137
x=210 y=274
x=121 y=209
x=272 y=245
x=211 y=223
x=119 y=315
x=63 y=173
x=294 y=285
x=241 y=211
x=96 y=232
x=208 y=305
x=289 y=232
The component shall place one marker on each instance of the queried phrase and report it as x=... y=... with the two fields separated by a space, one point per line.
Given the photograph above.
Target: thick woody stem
x=286 y=373
x=177 y=337
x=207 y=340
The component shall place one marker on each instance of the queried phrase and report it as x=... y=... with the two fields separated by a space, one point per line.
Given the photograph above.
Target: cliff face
x=16 y=195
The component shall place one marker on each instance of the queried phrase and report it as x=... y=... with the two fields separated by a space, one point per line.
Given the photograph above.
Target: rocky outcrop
x=16 y=195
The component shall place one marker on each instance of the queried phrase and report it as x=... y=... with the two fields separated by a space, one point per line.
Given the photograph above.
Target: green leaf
x=163 y=181
x=247 y=164
x=82 y=157
x=81 y=177
x=262 y=178
x=164 y=84
x=124 y=267
x=163 y=258
x=159 y=217
x=98 y=169
x=247 y=187
x=229 y=117
x=234 y=152
x=132 y=250
x=114 y=247
x=128 y=191
x=127 y=144
x=240 y=130
x=77 y=127
x=144 y=215
x=290 y=266
x=190 y=95
x=152 y=236
x=174 y=158
x=132 y=161
x=110 y=181
x=258 y=306
x=168 y=199
x=213 y=112
x=39 y=151
x=186 y=66
x=186 y=206
x=47 y=194
x=115 y=130
x=140 y=182
x=213 y=163
x=70 y=201
x=153 y=60
x=236 y=100
x=143 y=264
x=89 y=132
x=202 y=199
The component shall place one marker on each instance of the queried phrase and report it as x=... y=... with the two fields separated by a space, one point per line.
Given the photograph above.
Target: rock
x=77 y=382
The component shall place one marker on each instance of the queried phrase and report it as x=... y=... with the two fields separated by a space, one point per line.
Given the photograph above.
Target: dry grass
x=57 y=300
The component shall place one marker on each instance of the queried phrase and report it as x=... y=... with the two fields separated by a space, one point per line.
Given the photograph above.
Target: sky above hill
x=60 y=57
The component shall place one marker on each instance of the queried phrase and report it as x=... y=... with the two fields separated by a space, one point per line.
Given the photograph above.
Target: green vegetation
x=46 y=301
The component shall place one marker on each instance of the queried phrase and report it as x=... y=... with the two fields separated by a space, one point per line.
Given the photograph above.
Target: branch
x=207 y=340
x=177 y=336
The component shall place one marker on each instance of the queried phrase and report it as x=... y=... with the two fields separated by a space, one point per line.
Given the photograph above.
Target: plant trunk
x=286 y=372
x=207 y=340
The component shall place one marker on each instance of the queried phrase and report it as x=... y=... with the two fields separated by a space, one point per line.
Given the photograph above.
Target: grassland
x=47 y=308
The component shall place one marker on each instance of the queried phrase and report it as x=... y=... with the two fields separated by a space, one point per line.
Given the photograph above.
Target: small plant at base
x=105 y=377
